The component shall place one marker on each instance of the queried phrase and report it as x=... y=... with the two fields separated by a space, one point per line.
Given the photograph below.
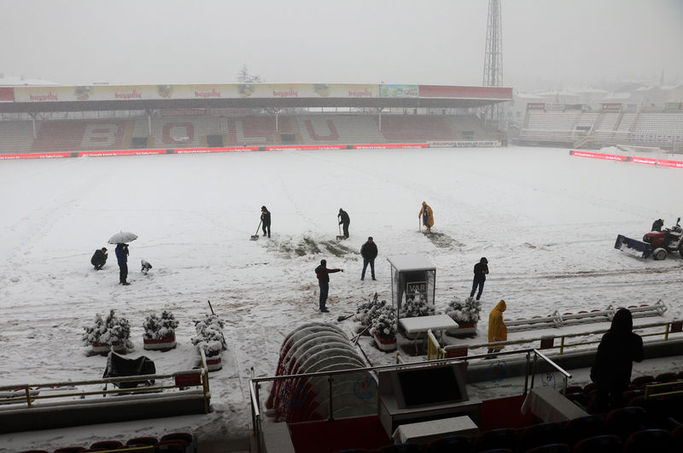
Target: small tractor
x=658 y=244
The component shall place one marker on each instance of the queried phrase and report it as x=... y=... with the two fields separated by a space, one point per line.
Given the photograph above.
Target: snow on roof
x=411 y=263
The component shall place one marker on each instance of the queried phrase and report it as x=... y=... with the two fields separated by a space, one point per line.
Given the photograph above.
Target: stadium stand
x=195 y=131
x=593 y=129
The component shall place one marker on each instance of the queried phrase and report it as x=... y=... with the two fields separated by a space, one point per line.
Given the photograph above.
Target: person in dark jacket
x=480 y=271
x=344 y=221
x=322 y=272
x=99 y=258
x=265 y=220
x=122 y=258
x=613 y=362
x=369 y=252
x=657 y=225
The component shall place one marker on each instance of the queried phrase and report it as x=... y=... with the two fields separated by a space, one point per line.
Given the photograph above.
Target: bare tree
x=243 y=76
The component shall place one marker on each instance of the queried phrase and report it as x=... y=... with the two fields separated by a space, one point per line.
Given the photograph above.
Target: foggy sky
x=546 y=43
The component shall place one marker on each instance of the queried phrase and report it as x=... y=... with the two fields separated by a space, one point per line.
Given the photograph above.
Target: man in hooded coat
x=344 y=221
x=498 y=331
x=427 y=216
x=265 y=221
x=99 y=258
x=613 y=363
x=481 y=269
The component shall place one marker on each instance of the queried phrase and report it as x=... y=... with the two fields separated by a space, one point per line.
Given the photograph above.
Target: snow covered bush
x=209 y=335
x=159 y=328
x=384 y=322
x=416 y=305
x=111 y=330
x=464 y=312
x=367 y=310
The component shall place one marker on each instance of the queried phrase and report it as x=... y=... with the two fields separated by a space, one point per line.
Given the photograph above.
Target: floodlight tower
x=493 y=60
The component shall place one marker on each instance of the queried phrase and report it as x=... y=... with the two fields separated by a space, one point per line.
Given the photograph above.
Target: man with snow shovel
x=344 y=221
x=322 y=272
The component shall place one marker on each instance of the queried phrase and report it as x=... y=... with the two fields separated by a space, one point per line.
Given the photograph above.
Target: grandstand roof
x=141 y=97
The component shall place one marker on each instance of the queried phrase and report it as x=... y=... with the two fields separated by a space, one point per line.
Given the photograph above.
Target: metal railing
x=255 y=384
x=180 y=381
x=548 y=341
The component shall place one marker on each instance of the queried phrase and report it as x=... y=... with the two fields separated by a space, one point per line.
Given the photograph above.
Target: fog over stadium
x=548 y=44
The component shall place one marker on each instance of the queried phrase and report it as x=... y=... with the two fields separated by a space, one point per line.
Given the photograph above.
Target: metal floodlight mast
x=493 y=58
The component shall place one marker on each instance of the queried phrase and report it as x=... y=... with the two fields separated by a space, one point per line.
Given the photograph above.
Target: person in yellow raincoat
x=498 y=331
x=427 y=216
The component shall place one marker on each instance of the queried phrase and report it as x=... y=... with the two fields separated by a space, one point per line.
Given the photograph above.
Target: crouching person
x=99 y=258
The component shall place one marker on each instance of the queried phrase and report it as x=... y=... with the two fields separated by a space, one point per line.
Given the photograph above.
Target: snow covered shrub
x=159 y=328
x=416 y=305
x=367 y=310
x=110 y=330
x=384 y=323
x=464 y=312
x=209 y=335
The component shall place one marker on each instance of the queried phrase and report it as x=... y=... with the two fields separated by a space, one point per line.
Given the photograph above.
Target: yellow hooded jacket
x=430 y=214
x=497 y=329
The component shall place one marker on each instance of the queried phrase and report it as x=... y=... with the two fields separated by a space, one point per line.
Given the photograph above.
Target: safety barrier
x=436 y=351
x=19 y=401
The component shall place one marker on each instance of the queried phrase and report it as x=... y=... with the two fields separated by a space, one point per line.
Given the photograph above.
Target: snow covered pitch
x=546 y=221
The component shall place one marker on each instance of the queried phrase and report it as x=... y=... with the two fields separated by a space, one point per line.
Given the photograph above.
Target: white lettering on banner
x=135 y=94
x=44 y=97
x=291 y=93
x=207 y=94
x=99 y=135
x=239 y=131
x=464 y=144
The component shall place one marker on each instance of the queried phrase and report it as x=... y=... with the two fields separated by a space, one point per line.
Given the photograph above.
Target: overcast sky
x=546 y=43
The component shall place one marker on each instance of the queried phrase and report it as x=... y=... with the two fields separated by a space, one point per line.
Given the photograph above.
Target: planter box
x=104 y=348
x=164 y=344
x=214 y=362
x=385 y=344
x=464 y=329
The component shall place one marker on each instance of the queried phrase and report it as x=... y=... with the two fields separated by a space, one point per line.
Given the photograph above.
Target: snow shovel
x=254 y=237
x=341 y=318
x=340 y=237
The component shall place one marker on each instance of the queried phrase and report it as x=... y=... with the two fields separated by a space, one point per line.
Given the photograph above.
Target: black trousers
x=123 y=272
x=477 y=283
x=345 y=227
x=372 y=268
x=264 y=229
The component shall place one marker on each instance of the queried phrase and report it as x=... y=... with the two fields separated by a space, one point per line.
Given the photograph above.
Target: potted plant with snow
x=383 y=328
x=210 y=339
x=366 y=311
x=159 y=331
x=466 y=313
x=110 y=333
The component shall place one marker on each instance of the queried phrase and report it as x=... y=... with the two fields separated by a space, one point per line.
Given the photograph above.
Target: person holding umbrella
x=121 y=239
x=122 y=258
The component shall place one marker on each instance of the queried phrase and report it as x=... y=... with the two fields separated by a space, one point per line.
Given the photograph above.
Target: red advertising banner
x=612 y=107
x=35 y=156
x=458 y=92
x=535 y=106
x=616 y=157
x=6 y=94
x=215 y=150
x=391 y=145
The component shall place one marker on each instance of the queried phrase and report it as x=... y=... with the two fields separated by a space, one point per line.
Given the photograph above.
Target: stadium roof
x=142 y=97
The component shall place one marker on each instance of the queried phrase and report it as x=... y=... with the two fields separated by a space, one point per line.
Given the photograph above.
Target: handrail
x=667 y=332
x=553 y=364
x=28 y=398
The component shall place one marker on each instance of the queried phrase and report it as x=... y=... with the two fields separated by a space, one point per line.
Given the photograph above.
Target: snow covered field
x=546 y=221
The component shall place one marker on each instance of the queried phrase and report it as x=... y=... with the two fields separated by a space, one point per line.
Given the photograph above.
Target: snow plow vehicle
x=658 y=244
